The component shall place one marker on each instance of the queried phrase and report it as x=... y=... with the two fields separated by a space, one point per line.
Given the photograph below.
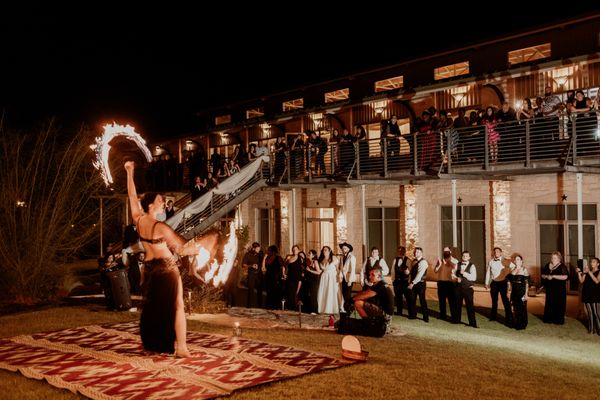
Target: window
x=337 y=95
x=293 y=105
x=267 y=232
x=450 y=71
x=559 y=234
x=255 y=112
x=532 y=53
x=223 y=119
x=383 y=225
x=470 y=231
x=319 y=228
x=389 y=84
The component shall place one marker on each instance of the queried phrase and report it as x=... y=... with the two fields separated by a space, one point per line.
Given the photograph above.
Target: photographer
x=373 y=301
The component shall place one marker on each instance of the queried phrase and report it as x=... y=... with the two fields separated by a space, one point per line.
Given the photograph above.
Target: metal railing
x=551 y=142
x=221 y=204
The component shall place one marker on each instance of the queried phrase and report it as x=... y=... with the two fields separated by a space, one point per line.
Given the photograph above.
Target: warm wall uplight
x=563 y=78
x=459 y=93
x=449 y=71
x=389 y=84
x=337 y=95
x=266 y=128
x=379 y=106
x=317 y=118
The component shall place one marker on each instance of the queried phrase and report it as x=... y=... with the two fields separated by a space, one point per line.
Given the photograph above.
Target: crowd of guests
x=323 y=283
x=439 y=136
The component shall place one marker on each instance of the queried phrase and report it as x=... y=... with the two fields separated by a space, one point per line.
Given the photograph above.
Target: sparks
x=102 y=147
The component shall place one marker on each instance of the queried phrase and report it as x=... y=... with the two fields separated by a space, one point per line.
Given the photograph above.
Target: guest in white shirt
x=417 y=285
x=495 y=280
x=465 y=275
x=373 y=261
x=348 y=271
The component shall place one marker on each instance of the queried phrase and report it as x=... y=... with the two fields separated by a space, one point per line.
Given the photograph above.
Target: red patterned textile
x=108 y=362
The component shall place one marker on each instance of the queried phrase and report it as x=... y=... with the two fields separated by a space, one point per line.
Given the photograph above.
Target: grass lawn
x=433 y=361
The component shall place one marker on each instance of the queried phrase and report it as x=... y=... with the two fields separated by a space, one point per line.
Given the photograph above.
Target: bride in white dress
x=329 y=287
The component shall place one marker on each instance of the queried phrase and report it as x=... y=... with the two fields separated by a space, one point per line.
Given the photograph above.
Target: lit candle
x=237 y=331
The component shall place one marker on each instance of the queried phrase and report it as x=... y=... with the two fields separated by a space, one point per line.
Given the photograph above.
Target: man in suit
x=348 y=271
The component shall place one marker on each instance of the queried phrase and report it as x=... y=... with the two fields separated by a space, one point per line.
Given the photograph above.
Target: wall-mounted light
x=379 y=106
x=459 y=93
x=317 y=118
x=266 y=128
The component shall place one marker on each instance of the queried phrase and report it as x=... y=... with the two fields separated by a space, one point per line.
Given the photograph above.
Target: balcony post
x=527 y=144
x=289 y=166
x=385 y=160
x=449 y=151
x=486 y=157
x=415 y=155
x=357 y=158
x=574 y=137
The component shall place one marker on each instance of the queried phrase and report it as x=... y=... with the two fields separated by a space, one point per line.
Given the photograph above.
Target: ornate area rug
x=108 y=362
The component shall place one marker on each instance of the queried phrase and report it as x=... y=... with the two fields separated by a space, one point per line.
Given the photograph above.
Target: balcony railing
x=526 y=146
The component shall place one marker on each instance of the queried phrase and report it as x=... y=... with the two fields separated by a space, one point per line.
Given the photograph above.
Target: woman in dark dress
x=293 y=277
x=519 y=282
x=312 y=277
x=162 y=323
x=272 y=265
x=590 y=294
x=554 y=279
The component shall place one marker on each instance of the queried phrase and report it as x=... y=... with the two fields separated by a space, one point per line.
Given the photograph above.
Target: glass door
x=319 y=229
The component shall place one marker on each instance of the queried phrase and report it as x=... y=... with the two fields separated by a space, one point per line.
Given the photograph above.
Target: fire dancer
x=162 y=323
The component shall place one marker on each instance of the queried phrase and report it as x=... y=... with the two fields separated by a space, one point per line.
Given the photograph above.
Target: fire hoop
x=102 y=147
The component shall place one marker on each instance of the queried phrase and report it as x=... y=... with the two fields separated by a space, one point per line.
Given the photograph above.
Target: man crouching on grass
x=373 y=301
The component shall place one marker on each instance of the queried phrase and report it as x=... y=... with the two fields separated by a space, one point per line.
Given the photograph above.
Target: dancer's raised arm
x=136 y=210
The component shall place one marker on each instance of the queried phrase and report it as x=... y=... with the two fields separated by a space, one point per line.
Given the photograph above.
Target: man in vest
x=373 y=261
x=445 y=286
x=417 y=285
x=400 y=277
x=348 y=271
x=495 y=280
x=465 y=275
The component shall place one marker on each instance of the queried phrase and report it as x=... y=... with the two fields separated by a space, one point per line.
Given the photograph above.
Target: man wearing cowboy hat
x=348 y=271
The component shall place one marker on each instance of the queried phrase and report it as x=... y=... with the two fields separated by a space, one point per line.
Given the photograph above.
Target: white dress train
x=329 y=288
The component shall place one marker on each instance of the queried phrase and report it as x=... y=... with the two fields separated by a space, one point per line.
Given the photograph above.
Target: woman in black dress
x=590 y=294
x=313 y=279
x=293 y=277
x=519 y=281
x=554 y=279
x=271 y=267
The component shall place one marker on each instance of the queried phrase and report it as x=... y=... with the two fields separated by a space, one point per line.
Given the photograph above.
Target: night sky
x=155 y=67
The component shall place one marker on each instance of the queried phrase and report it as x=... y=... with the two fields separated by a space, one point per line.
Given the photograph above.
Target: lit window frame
x=293 y=105
x=385 y=85
x=527 y=54
x=256 y=112
x=223 y=119
x=337 y=95
x=451 y=71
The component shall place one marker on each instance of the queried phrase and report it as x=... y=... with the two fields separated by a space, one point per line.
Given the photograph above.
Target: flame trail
x=218 y=273
x=102 y=147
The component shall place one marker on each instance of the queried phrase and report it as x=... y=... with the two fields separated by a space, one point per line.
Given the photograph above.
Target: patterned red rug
x=108 y=362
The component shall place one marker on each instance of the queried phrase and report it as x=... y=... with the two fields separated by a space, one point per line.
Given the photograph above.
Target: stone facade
x=510 y=210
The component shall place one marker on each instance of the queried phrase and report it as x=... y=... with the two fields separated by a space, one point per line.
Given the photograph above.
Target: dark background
x=155 y=67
